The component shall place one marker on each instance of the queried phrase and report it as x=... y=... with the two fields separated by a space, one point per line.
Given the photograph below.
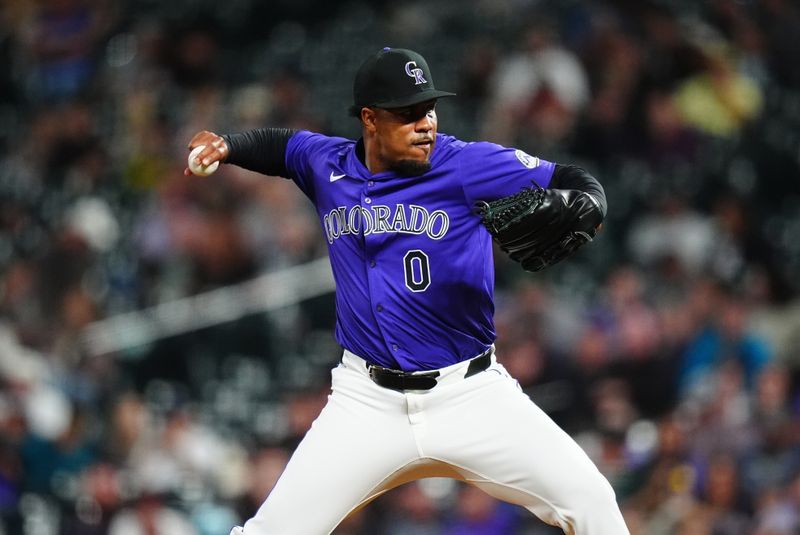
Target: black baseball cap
x=393 y=78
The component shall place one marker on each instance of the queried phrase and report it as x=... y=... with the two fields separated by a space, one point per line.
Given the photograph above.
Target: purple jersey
x=412 y=262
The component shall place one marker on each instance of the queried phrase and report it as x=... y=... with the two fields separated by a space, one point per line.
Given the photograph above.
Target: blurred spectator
x=660 y=489
x=722 y=508
x=627 y=319
x=58 y=448
x=721 y=406
x=719 y=101
x=771 y=399
x=100 y=495
x=775 y=461
x=480 y=514
x=536 y=92
x=614 y=409
x=672 y=233
x=183 y=446
x=150 y=515
x=726 y=337
x=63 y=41
x=412 y=511
x=777 y=513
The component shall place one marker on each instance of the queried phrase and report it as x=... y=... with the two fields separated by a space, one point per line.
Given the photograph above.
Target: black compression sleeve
x=262 y=150
x=574 y=177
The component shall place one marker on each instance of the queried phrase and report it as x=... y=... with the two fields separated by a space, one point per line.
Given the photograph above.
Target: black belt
x=400 y=380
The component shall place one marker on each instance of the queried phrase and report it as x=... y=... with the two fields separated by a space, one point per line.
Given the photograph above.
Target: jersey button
x=379 y=308
x=394 y=347
x=367 y=200
x=370 y=183
x=372 y=263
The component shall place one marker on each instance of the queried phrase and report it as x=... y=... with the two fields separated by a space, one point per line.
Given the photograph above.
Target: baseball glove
x=540 y=227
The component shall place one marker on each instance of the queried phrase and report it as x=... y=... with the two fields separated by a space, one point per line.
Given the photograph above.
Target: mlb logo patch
x=527 y=160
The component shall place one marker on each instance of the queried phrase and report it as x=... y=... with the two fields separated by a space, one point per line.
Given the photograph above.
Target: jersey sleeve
x=262 y=150
x=491 y=171
x=303 y=149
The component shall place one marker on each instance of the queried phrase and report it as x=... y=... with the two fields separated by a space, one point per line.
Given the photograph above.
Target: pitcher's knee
x=600 y=496
x=593 y=509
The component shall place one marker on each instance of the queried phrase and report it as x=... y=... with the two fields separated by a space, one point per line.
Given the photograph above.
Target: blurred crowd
x=670 y=348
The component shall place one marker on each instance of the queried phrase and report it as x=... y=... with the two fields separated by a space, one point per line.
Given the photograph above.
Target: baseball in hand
x=198 y=168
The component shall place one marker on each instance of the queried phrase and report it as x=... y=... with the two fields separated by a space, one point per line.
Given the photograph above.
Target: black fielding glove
x=540 y=227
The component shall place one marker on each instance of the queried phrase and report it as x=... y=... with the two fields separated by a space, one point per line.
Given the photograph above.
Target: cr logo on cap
x=415 y=73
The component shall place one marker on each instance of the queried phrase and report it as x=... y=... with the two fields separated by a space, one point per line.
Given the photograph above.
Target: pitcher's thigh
x=511 y=449
x=341 y=461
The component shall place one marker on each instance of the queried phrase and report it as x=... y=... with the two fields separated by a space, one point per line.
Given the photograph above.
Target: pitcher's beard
x=410 y=167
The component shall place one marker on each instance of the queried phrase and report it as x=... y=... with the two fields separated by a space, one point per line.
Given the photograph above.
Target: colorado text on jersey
x=379 y=218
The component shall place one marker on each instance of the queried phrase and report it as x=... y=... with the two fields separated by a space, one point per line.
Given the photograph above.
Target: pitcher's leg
x=359 y=439
x=510 y=448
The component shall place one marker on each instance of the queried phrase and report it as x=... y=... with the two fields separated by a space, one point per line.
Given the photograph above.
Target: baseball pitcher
x=409 y=216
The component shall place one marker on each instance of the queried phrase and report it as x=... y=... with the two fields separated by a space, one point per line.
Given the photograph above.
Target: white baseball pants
x=481 y=429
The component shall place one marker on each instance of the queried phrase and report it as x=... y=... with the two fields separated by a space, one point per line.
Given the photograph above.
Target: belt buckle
x=377 y=371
